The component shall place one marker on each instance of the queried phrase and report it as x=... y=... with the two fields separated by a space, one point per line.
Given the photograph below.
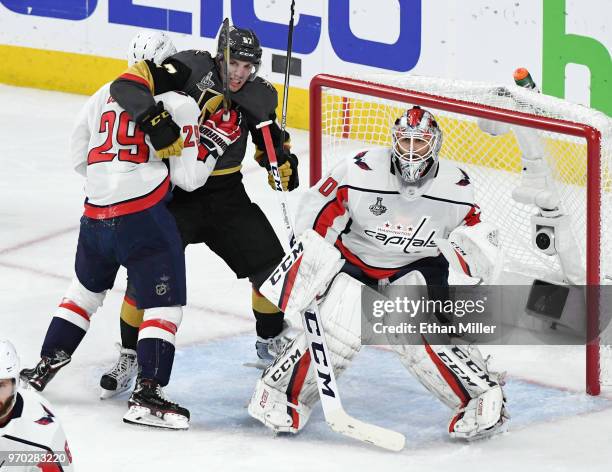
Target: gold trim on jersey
x=258 y=153
x=229 y=170
x=141 y=69
x=209 y=102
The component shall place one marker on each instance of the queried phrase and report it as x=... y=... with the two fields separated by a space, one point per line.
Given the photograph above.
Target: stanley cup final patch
x=206 y=82
x=378 y=208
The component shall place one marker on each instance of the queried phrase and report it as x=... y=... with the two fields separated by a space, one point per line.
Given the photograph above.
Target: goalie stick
x=333 y=411
x=335 y=415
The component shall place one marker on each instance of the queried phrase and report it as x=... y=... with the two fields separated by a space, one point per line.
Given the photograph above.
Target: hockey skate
x=268 y=349
x=150 y=407
x=121 y=377
x=40 y=375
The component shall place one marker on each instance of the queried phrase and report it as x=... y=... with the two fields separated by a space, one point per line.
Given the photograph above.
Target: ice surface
x=554 y=425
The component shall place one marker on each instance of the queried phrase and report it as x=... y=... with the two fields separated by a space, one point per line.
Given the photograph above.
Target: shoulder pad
x=258 y=98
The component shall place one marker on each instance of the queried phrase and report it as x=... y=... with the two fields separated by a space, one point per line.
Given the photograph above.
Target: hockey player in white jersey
x=389 y=213
x=154 y=46
x=126 y=222
x=31 y=436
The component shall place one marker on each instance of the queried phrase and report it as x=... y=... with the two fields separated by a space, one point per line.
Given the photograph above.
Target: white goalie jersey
x=123 y=173
x=33 y=439
x=358 y=207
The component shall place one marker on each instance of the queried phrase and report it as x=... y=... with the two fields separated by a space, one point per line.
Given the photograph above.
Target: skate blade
x=142 y=416
x=106 y=394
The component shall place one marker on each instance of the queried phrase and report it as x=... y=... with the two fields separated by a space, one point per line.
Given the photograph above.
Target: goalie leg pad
x=452 y=373
x=287 y=390
x=302 y=274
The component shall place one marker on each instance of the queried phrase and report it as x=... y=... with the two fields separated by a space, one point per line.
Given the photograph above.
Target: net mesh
x=353 y=121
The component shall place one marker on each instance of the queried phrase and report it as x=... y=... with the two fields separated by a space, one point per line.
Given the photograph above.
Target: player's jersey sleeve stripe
x=58 y=467
x=456 y=202
x=137 y=79
x=141 y=74
x=331 y=211
x=130 y=206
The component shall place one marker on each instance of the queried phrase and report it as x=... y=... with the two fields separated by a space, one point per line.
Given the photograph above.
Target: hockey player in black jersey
x=220 y=213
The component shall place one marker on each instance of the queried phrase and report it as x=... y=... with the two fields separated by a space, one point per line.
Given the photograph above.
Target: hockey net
x=347 y=114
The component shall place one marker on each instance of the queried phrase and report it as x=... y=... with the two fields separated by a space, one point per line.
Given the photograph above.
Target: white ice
x=555 y=426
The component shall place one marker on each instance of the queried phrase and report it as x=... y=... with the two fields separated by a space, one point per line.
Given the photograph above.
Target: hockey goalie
x=346 y=245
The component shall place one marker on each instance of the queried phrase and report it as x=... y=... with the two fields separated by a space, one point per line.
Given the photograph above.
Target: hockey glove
x=164 y=133
x=288 y=171
x=216 y=134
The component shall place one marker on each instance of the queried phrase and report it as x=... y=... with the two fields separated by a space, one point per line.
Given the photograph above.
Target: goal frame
x=593 y=203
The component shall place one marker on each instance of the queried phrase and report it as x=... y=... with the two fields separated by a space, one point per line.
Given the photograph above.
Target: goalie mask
x=9 y=377
x=417 y=140
x=244 y=46
x=154 y=46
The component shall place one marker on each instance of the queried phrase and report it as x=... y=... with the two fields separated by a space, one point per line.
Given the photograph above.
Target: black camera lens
x=543 y=240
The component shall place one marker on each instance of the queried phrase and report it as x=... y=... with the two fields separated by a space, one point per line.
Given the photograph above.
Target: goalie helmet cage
x=347 y=114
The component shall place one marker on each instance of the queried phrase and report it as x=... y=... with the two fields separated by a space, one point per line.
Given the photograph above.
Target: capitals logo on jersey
x=412 y=241
x=45 y=420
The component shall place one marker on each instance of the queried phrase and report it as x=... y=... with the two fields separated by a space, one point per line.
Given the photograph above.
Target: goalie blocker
x=287 y=391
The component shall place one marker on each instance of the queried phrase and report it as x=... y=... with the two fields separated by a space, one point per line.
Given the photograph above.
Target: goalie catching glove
x=474 y=251
x=164 y=133
x=216 y=134
x=287 y=170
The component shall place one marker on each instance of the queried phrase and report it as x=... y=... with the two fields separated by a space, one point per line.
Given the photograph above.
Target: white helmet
x=417 y=140
x=150 y=45
x=9 y=361
x=9 y=369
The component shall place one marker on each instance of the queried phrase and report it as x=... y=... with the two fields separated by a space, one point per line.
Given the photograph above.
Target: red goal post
x=386 y=91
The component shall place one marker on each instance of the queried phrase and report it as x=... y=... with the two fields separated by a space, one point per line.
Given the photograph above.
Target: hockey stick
x=287 y=69
x=333 y=411
x=226 y=58
x=335 y=415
